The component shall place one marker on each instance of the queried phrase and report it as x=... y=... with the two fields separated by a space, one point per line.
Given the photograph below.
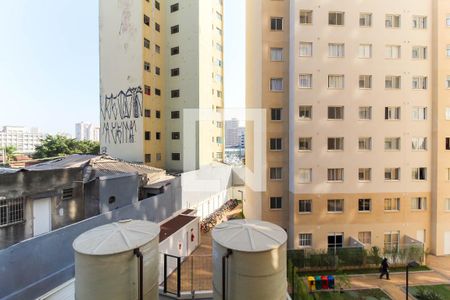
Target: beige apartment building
x=358 y=120
x=161 y=73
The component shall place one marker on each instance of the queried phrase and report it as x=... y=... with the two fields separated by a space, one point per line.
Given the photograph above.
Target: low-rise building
x=23 y=139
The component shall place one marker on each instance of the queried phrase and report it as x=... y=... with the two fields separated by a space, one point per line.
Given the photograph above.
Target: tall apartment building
x=87 y=132
x=22 y=138
x=358 y=120
x=160 y=60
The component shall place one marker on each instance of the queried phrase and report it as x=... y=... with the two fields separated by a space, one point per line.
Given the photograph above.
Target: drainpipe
x=224 y=273
x=139 y=255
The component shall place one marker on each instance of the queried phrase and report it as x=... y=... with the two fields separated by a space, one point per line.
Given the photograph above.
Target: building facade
x=161 y=91
x=87 y=132
x=23 y=139
x=357 y=120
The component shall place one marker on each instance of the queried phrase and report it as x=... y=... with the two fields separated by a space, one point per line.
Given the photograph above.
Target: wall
x=121 y=75
x=124 y=189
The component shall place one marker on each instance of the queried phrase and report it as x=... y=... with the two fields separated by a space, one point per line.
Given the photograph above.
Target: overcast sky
x=49 y=62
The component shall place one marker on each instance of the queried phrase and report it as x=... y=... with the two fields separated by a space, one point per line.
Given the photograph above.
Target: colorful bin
x=311 y=283
x=324 y=282
x=331 y=282
x=318 y=281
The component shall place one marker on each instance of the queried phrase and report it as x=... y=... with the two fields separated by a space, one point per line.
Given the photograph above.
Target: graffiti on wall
x=119 y=114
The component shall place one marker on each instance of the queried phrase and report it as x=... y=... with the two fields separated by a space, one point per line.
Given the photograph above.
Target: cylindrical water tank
x=108 y=261
x=249 y=260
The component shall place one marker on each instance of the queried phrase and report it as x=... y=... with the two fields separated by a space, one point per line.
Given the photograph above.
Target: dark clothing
x=384 y=269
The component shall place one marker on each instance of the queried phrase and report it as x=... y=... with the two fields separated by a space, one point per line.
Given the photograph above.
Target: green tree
x=53 y=146
x=9 y=151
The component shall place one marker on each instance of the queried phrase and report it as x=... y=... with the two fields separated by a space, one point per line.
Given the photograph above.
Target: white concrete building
x=22 y=138
x=87 y=132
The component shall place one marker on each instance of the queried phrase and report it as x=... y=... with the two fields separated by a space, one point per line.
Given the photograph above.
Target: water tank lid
x=116 y=237
x=249 y=235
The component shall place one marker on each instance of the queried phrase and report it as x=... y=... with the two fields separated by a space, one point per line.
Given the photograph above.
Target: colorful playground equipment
x=320 y=283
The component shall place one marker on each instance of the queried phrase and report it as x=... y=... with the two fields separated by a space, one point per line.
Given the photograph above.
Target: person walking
x=384 y=268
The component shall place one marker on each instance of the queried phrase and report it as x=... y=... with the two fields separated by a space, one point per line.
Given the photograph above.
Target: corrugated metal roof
x=7 y=170
x=66 y=162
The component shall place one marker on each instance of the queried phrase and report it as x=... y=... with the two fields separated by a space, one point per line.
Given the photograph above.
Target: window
x=447 y=21
x=335 y=113
x=158 y=135
x=419 y=22
x=364 y=205
x=336 y=50
x=11 y=211
x=335 y=205
x=219 y=16
x=175 y=156
x=365 y=81
x=304 y=206
x=276 y=54
x=392 y=21
x=391 y=174
x=365 y=112
x=157 y=70
x=392 y=204
x=391 y=241
x=306 y=16
x=175 y=114
x=276 y=84
x=392 y=143
x=335 y=240
x=219 y=47
x=335 y=174
x=419 y=173
x=276 y=23
x=448 y=50
x=175 y=72
x=305 y=112
x=419 y=82
x=305 y=144
x=305 y=175
x=305 y=81
x=305 y=239
x=157 y=27
x=447 y=82
x=335 y=144
x=147 y=113
x=365 y=237
x=175 y=29
x=275 y=144
x=365 y=51
x=275 y=203
x=418 y=203
x=447 y=143
x=175 y=93
x=392 y=113
x=392 y=82
x=157 y=6
x=419 y=113
x=174 y=7
x=146 y=66
x=157 y=49
x=336 y=18
x=393 y=52
x=275 y=173
x=419 y=143
x=335 y=81
x=365 y=143
x=306 y=48
x=364 y=174
x=146 y=20
x=174 y=50
x=147 y=135
x=447 y=204
x=148 y=158
x=275 y=114
x=158 y=114
x=419 y=52
x=365 y=19
x=175 y=135
x=146 y=43
x=147 y=90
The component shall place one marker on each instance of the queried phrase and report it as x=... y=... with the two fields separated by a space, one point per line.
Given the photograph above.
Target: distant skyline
x=49 y=62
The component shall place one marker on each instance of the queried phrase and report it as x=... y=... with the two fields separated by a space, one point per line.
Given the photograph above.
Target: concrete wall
x=120 y=190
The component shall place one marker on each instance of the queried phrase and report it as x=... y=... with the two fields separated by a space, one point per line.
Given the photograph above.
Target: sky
x=49 y=64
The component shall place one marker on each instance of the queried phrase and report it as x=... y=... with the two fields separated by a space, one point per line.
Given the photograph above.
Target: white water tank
x=255 y=268
x=107 y=265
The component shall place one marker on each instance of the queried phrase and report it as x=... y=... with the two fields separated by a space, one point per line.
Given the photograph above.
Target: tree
x=54 y=146
x=9 y=151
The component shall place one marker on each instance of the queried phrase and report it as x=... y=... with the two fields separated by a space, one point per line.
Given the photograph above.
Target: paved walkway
x=394 y=287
